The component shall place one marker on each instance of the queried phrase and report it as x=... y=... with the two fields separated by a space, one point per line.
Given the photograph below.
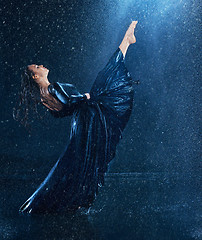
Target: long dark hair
x=29 y=98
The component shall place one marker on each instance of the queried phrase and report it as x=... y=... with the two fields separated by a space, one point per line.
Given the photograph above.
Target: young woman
x=99 y=117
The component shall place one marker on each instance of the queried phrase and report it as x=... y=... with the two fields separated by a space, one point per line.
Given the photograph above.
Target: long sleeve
x=74 y=99
x=68 y=95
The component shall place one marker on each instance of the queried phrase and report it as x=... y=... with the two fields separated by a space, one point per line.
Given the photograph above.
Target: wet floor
x=131 y=206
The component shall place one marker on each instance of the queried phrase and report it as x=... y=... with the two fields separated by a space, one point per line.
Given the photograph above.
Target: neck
x=43 y=86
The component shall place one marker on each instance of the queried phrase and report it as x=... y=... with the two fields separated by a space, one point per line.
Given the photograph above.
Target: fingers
x=87 y=95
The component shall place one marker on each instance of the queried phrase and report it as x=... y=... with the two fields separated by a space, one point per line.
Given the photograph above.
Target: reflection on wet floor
x=131 y=206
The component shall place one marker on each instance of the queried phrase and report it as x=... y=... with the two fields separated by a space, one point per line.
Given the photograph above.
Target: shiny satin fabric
x=96 y=128
x=68 y=95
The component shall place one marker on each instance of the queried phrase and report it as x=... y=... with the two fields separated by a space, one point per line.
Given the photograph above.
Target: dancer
x=98 y=120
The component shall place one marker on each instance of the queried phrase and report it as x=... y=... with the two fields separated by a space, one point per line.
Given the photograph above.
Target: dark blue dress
x=96 y=129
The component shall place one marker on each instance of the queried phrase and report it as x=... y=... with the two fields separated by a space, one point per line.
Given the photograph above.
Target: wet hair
x=29 y=99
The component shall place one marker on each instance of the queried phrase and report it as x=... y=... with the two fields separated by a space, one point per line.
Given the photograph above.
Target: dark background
x=75 y=39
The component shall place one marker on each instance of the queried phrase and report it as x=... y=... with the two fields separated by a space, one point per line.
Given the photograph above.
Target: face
x=38 y=71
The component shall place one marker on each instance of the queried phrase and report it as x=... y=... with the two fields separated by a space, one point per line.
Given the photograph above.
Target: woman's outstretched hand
x=87 y=95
